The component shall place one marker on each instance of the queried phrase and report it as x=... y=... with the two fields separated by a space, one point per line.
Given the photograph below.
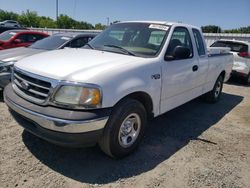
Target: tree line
x=32 y=19
x=217 y=29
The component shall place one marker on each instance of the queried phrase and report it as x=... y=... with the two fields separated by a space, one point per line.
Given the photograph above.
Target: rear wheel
x=247 y=79
x=124 y=129
x=214 y=95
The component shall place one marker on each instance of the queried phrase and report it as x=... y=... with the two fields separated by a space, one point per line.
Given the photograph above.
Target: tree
x=29 y=19
x=211 y=29
x=47 y=22
x=239 y=30
x=65 y=22
x=99 y=26
x=4 y=15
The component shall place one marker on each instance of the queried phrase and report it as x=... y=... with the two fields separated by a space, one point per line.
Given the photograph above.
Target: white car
x=10 y=23
x=105 y=93
x=57 y=41
x=241 y=52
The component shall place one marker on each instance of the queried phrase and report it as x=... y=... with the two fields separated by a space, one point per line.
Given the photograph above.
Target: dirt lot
x=195 y=145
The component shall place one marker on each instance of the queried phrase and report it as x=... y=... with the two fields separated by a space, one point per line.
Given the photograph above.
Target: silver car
x=57 y=41
x=9 y=23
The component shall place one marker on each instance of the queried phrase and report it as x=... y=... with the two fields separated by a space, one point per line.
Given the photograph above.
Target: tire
x=247 y=79
x=119 y=138
x=214 y=95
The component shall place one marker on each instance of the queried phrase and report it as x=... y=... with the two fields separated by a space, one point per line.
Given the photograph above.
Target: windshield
x=50 y=43
x=139 y=39
x=5 y=36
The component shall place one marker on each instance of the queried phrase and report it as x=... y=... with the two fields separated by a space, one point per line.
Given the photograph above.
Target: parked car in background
x=105 y=92
x=19 y=38
x=10 y=23
x=241 y=52
x=57 y=41
x=2 y=29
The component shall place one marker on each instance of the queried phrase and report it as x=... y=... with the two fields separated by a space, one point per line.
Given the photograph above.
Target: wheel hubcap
x=217 y=89
x=129 y=130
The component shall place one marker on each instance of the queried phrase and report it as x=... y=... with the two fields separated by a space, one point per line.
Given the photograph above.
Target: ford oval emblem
x=24 y=85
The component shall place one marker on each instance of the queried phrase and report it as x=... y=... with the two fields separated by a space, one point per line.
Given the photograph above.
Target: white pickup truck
x=105 y=92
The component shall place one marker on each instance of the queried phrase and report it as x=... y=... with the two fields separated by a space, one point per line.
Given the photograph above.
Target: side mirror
x=17 y=41
x=179 y=52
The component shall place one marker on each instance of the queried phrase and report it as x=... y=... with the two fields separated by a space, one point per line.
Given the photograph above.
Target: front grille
x=31 y=88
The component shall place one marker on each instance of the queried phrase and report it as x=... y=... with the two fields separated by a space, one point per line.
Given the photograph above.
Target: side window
x=180 y=37
x=31 y=38
x=39 y=37
x=22 y=37
x=199 y=42
x=79 y=42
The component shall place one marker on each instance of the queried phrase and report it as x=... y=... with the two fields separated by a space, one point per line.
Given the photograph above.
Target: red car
x=19 y=38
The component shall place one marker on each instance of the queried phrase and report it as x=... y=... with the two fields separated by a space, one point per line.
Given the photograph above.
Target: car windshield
x=234 y=46
x=5 y=36
x=51 y=43
x=139 y=39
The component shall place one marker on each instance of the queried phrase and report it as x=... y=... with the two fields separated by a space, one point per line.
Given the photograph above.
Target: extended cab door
x=178 y=76
x=201 y=77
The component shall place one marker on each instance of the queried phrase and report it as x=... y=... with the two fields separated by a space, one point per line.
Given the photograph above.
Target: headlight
x=5 y=66
x=87 y=97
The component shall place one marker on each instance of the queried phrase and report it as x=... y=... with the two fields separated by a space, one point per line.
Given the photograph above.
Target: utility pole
x=56 y=10
x=107 y=21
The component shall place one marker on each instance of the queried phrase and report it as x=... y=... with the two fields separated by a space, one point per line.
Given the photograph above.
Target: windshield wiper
x=89 y=45
x=121 y=48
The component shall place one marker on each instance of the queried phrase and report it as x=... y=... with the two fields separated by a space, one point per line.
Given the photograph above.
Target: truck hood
x=15 y=54
x=70 y=64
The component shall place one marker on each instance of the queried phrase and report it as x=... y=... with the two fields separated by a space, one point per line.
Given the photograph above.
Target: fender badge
x=156 y=76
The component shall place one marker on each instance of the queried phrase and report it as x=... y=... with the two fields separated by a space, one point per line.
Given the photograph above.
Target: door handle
x=195 y=68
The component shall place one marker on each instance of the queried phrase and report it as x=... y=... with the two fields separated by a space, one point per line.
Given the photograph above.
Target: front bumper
x=5 y=78
x=60 y=126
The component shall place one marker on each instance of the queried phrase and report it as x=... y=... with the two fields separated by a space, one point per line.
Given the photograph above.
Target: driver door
x=178 y=76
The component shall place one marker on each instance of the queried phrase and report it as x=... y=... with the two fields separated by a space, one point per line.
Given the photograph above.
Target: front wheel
x=124 y=129
x=214 y=95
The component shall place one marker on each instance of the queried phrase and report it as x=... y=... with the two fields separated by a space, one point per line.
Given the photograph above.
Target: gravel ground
x=195 y=145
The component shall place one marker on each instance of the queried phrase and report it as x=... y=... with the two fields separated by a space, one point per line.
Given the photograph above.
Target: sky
x=227 y=14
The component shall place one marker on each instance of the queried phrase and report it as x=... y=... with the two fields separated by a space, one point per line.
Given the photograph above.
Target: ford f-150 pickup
x=105 y=92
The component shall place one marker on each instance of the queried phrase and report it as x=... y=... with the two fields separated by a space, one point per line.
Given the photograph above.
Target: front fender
x=138 y=80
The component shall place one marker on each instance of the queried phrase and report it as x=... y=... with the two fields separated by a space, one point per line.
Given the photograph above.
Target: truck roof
x=163 y=23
